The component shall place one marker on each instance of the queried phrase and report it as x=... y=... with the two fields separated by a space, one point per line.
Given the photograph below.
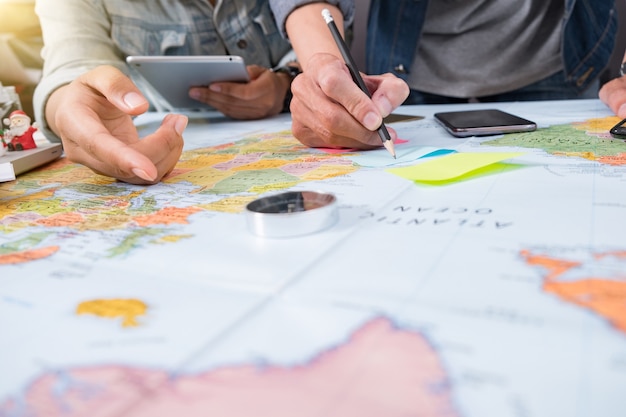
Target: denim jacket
x=82 y=34
x=589 y=30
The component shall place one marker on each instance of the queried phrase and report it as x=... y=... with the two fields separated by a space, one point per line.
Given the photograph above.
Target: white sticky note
x=6 y=172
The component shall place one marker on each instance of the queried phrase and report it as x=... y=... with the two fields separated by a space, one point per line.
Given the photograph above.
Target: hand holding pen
x=328 y=108
x=356 y=76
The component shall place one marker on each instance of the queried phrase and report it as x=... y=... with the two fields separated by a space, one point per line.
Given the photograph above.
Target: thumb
x=255 y=71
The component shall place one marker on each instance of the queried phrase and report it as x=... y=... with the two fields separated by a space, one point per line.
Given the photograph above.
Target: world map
x=66 y=197
x=502 y=294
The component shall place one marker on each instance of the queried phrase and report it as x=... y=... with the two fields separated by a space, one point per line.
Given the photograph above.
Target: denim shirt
x=589 y=30
x=82 y=34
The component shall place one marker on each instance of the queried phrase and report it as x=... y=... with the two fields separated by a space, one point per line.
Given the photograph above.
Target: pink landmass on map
x=350 y=150
x=380 y=371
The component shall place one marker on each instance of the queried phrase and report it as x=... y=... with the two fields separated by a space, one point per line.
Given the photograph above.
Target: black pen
x=356 y=76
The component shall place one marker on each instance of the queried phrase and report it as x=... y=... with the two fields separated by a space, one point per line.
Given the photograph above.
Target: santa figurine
x=19 y=135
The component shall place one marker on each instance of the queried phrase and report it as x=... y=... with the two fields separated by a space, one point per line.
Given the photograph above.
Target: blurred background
x=20 y=47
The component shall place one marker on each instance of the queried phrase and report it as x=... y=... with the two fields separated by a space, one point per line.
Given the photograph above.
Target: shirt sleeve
x=76 y=40
x=282 y=9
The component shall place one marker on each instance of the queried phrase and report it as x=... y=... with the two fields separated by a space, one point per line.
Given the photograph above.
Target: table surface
x=476 y=277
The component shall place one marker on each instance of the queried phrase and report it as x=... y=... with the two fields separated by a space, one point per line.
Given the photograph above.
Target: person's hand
x=262 y=96
x=92 y=116
x=329 y=110
x=613 y=94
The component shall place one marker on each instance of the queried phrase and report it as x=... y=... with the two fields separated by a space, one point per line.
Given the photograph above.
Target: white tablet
x=173 y=76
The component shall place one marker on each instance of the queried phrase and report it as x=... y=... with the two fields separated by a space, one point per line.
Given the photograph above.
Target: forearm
x=76 y=40
x=309 y=33
x=283 y=8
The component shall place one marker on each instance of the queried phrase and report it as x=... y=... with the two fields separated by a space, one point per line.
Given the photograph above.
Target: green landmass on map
x=589 y=140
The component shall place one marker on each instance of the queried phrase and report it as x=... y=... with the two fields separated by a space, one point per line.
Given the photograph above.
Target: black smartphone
x=483 y=122
x=619 y=130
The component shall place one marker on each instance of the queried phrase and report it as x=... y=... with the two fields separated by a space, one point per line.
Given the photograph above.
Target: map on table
x=500 y=294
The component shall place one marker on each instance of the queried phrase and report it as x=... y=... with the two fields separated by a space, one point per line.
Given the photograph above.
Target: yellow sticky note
x=451 y=166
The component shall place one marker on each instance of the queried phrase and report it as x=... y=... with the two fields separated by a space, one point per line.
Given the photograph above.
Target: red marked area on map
x=596 y=282
x=379 y=371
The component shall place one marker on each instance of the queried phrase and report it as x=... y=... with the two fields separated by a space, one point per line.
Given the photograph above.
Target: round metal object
x=293 y=213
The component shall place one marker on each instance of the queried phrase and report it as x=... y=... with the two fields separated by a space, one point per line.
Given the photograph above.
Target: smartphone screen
x=483 y=122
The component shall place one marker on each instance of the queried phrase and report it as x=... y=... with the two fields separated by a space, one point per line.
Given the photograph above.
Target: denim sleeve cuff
x=282 y=9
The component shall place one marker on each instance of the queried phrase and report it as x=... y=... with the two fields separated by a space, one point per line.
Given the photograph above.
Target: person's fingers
x=335 y=82
x=327 y=81
x=103 y=138
x=87 y=140
x=117 y=88
x=91 y=125
x=389 y=92
x=236 y=89
x=320 y=120
x=316 y=138
x=312 y=139
x=220 y=93
x=237 y=107
x=613 y=94
x=255 y=71
x=165 y=146
x=262 y=96
x=145 y=161
x=92 y=115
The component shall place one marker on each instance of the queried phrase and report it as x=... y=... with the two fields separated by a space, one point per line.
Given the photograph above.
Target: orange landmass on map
x=127 y=309
x=606 y=297
x=554 y=267
x=61 y=220
x=15 y=258
x=168 y=215
x=619 y=159
x=620 y=254
x=380 y=371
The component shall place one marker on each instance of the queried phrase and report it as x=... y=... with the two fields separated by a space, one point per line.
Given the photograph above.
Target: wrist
x=291 y=71
x=50 y=110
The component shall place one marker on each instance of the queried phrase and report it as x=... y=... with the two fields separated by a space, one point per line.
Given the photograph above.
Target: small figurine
x=19 y=135
x=3 y=146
